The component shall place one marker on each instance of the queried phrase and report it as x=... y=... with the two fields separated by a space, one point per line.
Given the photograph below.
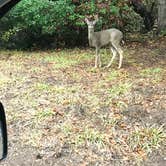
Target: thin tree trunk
x=161 y=14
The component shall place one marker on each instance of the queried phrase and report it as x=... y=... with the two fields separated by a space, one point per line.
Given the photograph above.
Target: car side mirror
x=3 y=134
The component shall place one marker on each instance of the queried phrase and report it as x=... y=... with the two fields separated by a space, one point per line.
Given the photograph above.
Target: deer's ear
x=96 y=18
x=86 y=20
x=94 y=22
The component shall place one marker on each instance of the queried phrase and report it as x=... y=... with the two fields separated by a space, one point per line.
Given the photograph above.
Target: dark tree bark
x=147 y=15
x=162 y=14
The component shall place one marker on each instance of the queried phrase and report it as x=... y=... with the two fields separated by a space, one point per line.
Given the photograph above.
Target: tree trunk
x=147 y=15
x=162 y=14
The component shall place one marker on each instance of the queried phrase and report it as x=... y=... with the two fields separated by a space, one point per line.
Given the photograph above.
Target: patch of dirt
x=80 y=116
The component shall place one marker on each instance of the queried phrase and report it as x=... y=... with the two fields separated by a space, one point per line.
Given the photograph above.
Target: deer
x=111 y=37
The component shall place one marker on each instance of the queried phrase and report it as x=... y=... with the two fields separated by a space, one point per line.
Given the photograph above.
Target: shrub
x=34 y=23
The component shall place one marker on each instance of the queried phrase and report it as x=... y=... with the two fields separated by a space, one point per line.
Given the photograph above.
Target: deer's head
x=91 y=22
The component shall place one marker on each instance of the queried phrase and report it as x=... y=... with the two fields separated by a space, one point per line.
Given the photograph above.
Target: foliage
x=46 y=16
x=34 y=23
x=163 y=32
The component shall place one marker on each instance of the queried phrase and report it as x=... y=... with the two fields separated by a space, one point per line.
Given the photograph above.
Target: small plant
x=121 y=105
x=120 y=89
x=40 y=115
x=151 y=72
x=110 y=120
x=42 y=87
x=33 y=138
x=66 y=129
x=147 y=139
x=90 y=136
x=154 y=73
x=36 y=70
x=3 y=80
x=163 y=32
x=114 y=75
x=76 y=76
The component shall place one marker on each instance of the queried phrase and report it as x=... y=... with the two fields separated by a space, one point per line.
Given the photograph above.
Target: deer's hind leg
x=120 y=52
x=114 y=52
x=121 y=57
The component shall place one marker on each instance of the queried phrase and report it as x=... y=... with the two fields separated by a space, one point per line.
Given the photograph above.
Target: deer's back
x=106 y=36
x=115 y=33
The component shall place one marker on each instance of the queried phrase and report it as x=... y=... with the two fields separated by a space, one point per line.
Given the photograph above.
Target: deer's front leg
x=97 y=58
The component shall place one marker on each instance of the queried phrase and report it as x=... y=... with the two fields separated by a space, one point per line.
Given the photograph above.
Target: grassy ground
x=62 y=111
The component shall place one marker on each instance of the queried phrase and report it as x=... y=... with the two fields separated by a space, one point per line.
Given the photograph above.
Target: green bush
x=46 y=23
x=37 y=18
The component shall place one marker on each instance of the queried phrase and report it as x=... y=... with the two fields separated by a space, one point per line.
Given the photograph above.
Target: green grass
x=76 y=76
x=109 y=120
x=67 y=129
x=55 y=88
x=90 y=136
x=113 y=75
x=155 y=74
x=66 y=58
x=149 y=72
x=83 y=136
x=147 y=139
x=120 y=89
x=60 y=61
x=43 y=87
x=13 y=116
x=121 y=105
x=90 y=109
x=44 y=114
x=36 y=69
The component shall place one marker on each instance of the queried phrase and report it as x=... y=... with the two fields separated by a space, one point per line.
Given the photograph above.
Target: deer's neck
x=90 y=35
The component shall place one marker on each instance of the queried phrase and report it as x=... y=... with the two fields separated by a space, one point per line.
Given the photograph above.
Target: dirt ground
x=63 y=112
